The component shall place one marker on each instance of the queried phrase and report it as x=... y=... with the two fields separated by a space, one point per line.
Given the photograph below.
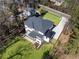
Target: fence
x=55 y=11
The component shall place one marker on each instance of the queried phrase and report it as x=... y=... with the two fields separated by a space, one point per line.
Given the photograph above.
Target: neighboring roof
x=57 y=0
x=38 y=24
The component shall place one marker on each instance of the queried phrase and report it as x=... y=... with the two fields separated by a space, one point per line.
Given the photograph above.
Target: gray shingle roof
x=38 y=24
x=33 y=34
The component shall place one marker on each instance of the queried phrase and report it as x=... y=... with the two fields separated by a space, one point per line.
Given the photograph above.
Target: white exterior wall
x=59 y=28
x=57 y=2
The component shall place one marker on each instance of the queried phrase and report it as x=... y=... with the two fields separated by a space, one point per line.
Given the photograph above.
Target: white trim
x=27 y=28
x=40 y=33
x=46 y=39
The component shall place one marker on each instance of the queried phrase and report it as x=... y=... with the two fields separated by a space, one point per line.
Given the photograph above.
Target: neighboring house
x=13 y=1
x=57 y=2
x=25 y=12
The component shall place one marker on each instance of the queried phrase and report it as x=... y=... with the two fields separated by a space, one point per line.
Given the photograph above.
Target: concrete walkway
x=59 y=28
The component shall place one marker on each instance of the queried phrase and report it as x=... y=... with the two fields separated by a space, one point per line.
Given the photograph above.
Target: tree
x=72 y=46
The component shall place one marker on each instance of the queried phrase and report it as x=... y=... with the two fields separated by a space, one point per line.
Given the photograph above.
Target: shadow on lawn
x=46 y=55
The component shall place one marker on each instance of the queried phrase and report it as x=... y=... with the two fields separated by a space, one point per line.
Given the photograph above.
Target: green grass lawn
x=23 y=49
x=52 y=17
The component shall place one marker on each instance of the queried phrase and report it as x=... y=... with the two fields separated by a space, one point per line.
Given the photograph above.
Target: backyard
x=52 y=17
x=22 y=49
x=48 y=15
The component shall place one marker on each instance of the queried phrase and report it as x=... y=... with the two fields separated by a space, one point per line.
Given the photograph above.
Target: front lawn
x=52 y=17
x=23 y=49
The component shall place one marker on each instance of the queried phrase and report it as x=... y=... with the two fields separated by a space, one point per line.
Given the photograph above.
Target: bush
x=41 y=11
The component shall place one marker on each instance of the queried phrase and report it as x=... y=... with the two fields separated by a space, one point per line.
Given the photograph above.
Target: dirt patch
x=64 y=38
x=69 y=57
x=60 y=50
x=65 y=35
